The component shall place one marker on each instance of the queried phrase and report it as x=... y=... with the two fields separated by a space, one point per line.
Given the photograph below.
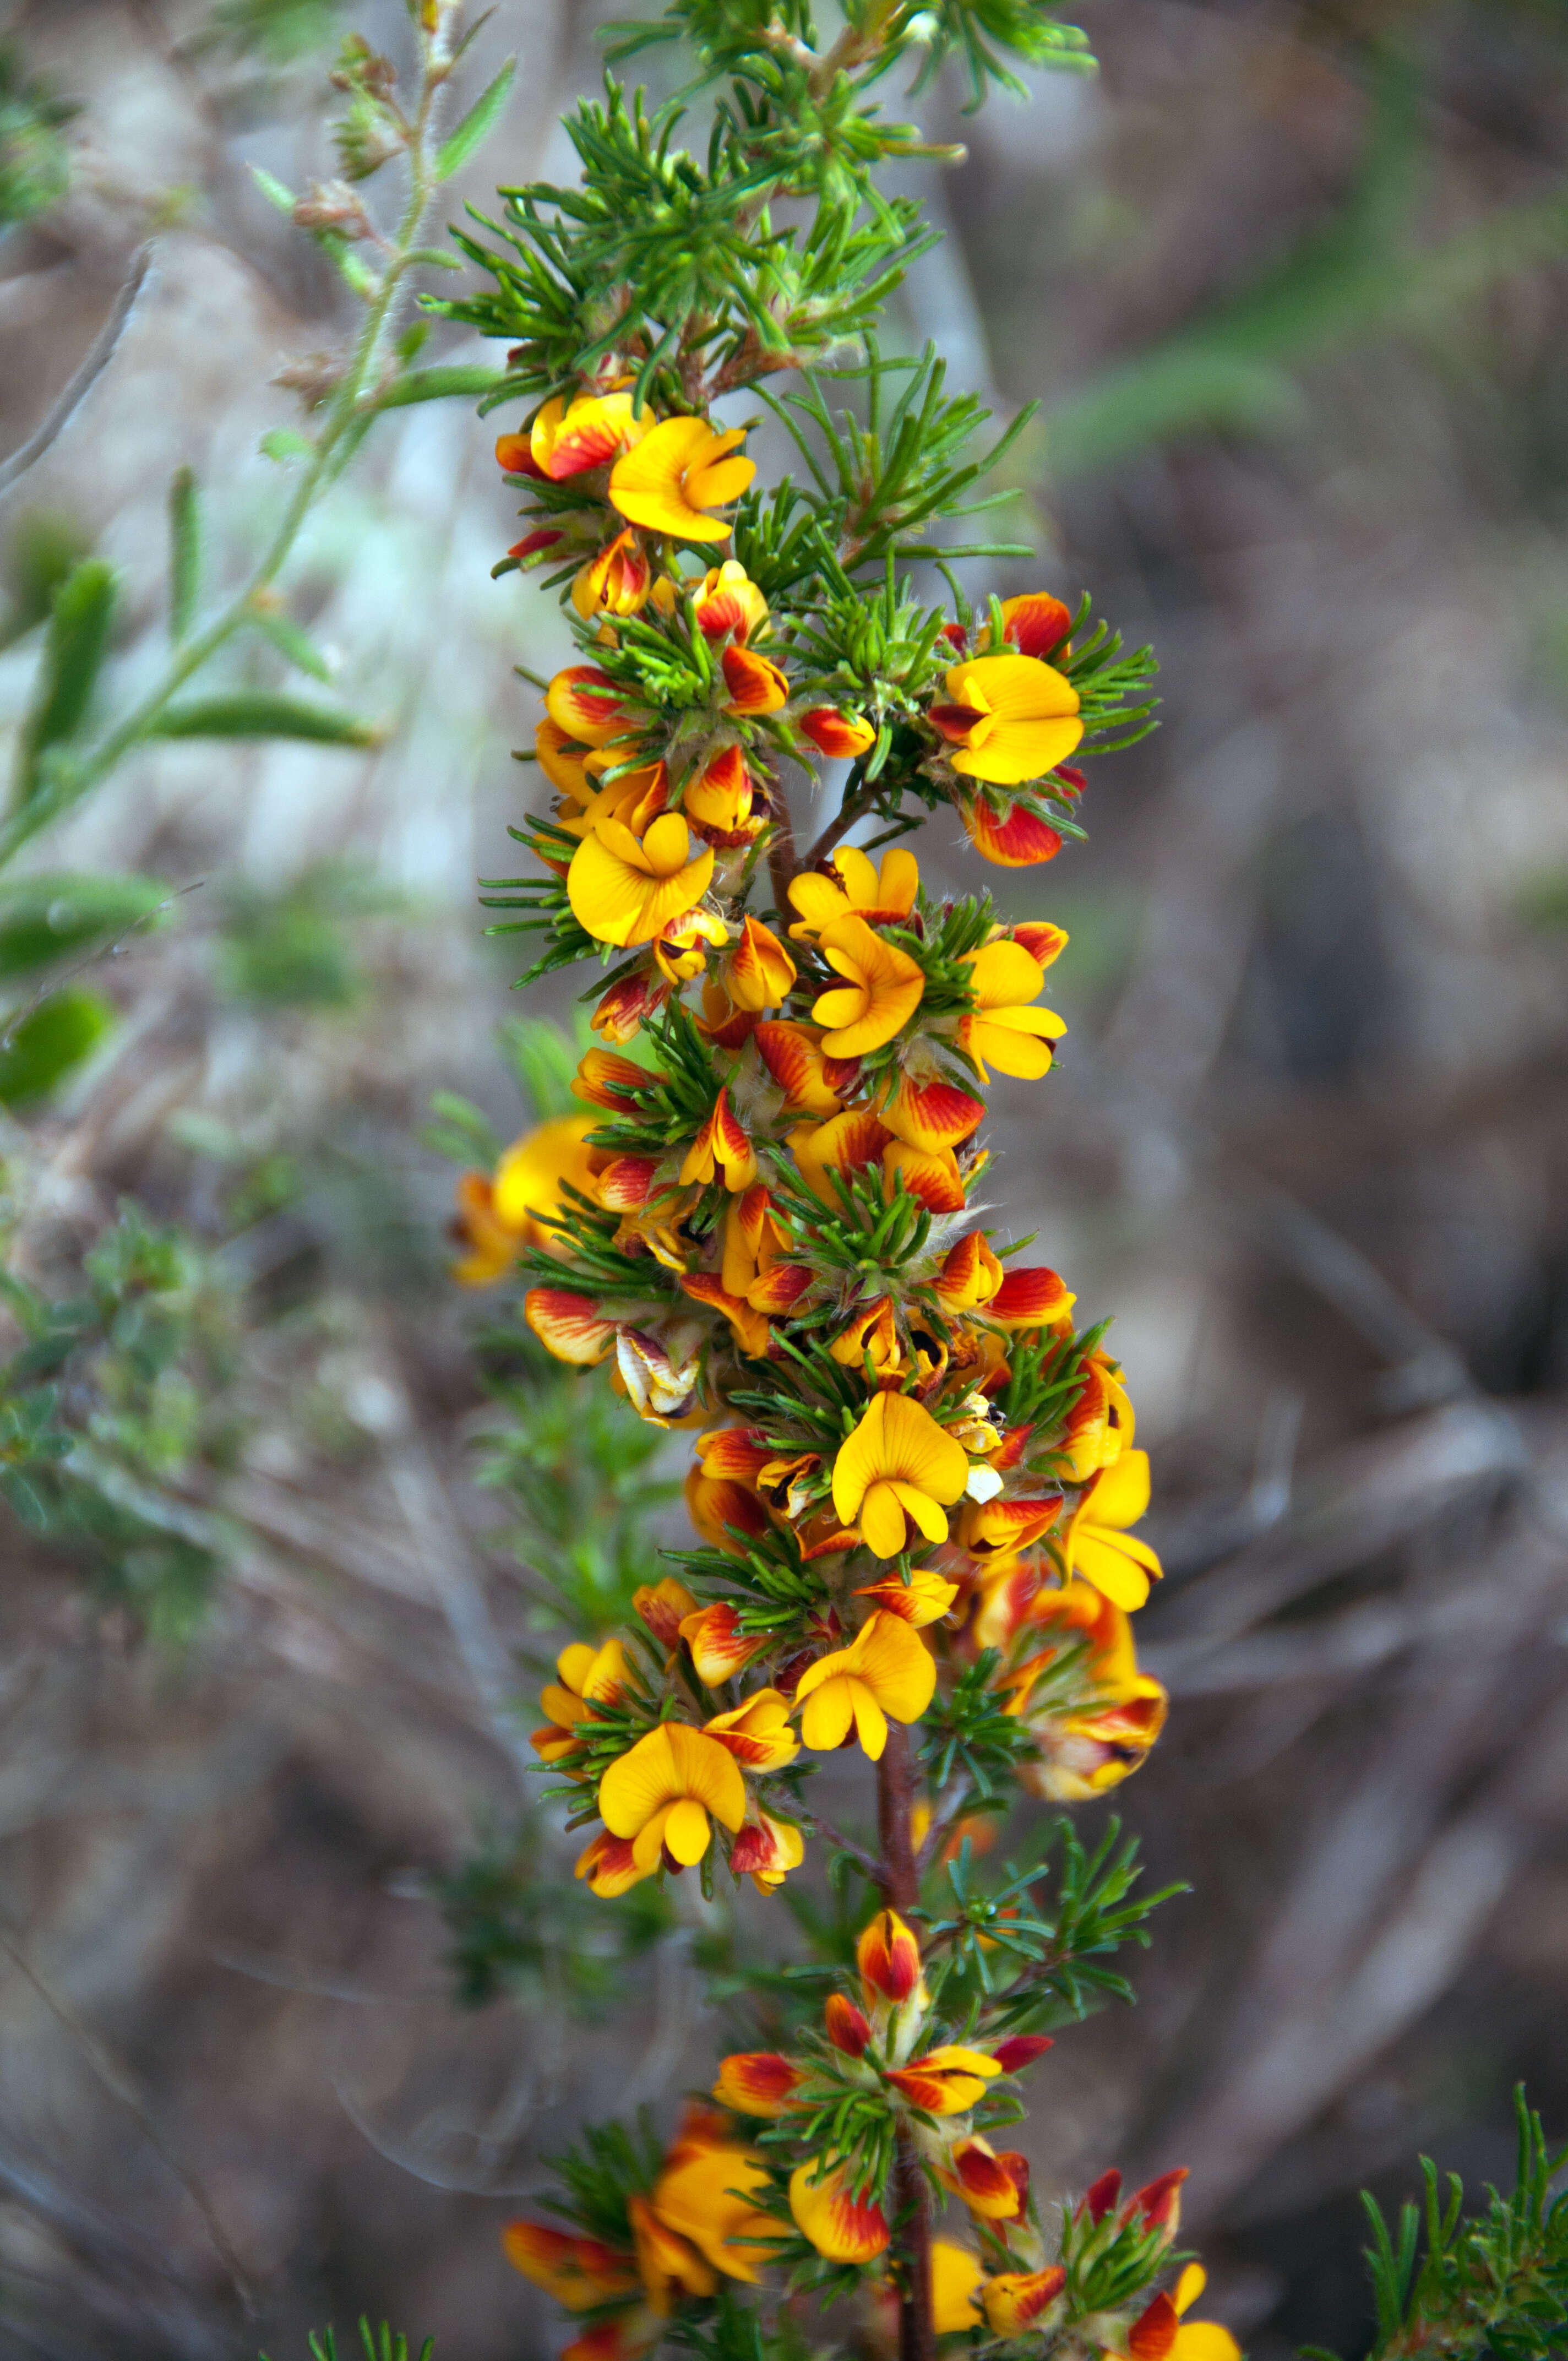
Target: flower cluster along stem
x=915 y=1475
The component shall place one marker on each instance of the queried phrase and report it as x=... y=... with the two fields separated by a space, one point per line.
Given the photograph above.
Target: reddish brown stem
x=783 y=861
x=895 y=1804
x=838 y=827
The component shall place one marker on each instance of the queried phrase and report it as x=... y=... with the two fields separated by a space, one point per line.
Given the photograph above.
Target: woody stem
x=895 y=1800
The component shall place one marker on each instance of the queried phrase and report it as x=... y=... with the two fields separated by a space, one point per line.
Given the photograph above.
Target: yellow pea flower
x=1003 y=1026
x=880 y=896
x=625 y=890
x=956 y=2276
x=887 y=1673
x=567 y=439
x=946 y=2082
x=578 y=2272
x=587 y=1677
x=1010 y=717
x=884 y=988
x=1098 y=1544
x=1016 y=2301
x=614 y=582
x=822 y=2201
x=898 y=1463
x=705 y=2194
x=498 y=1216
x=729 y=601
x=674 y=475
x=758 y=1732
x=660 y=1794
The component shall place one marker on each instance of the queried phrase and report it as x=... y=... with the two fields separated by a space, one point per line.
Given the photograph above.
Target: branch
x=100 y=353
x=874 y=1868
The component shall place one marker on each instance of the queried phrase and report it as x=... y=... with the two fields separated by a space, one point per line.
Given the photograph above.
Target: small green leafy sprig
x=1455 y=2285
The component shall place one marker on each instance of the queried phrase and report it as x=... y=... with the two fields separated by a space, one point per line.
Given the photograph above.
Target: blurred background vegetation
x=295 y=1986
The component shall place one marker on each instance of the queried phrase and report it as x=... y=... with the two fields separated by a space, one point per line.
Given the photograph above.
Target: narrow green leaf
x=291 y=641
x=273 y=190
x=260 y=713
x=46 y=917
x=285 y=443
x=473 y=380
x=476 y=125
x=73 y=652
x=40 y=1050
x=184 y=552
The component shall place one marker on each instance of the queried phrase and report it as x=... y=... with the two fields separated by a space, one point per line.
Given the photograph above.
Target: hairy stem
x=349 y=413
x=901 y=1882
x=856 y=803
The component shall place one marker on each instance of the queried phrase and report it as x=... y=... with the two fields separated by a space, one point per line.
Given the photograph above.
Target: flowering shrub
x=914 y=1476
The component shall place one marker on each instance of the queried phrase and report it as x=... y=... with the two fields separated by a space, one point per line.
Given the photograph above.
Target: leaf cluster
x=517 y=1929
x=1457 y=2285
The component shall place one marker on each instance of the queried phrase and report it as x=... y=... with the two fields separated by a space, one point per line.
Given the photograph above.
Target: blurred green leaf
x=184 y=552
x=80 y=624
x=1233 y=371
x=34 y=163
x=46 y=917
x=292 y=950
x=44 y=547
x=544 y=1059
x=434 y=384
x=285 y=443
x=262 y=713
x=273 y=190
x=291 y=641
x=276 y=32
x=477 y=125
x=41 y=1050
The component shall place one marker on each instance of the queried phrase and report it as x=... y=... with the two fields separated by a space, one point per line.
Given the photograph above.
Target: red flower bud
x=888 y=1958
x=846 y=2028
x=1021 y=2049
x=1101 y=2195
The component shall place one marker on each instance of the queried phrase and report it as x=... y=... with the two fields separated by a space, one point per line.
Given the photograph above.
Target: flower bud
x=888 y=1958
x=1021 y=2049
x=847 y=2028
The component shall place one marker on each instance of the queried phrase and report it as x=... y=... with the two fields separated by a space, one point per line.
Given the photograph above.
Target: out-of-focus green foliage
x=519 y=1929
x=1495 y=2282
x=114 y=1400
x=381 y=2346
x=37 y=1050
x=1362 y=275
x=34 y=163
x=276 y=32
x=43 y=547
x=293 y=949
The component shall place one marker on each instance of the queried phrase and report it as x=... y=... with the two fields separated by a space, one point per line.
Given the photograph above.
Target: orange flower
x=729 y=601
x=719 y=1649
x=766 y=1850
x=755 y=683
x=578 y=2272
x=758 y=971
x=1097 y=1543
x=615 y=582
x=848 y=2028
x=757 y=1733
x=608 y=1866
x=569 y=1326
x=585 y=705
x=898 y=1464
x=924 y=1598
x=662 y=1606
x=888 y=1958
x=625 y=891
x=884 y=988
x=500 y=1217
x=926 y=1110
x=1032 y=1298
x=839 y=736
x=1017 y=2302
x=1010 y=717
x=1035 y=624
x=840 y=2227
x=970 y=1277
x=670 y=479
x=1003 y=1026
x=716 y=1504
x=719 y=797
x=995 y=2188
x=946 y=2082
x=1019 y=840
x=881 y=897
x=588 y=1676
x=566 y=440
x=810 y=1080
x=603 y=1080
x=757 y=2082
x=886 y=1672
x=722 y=1149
